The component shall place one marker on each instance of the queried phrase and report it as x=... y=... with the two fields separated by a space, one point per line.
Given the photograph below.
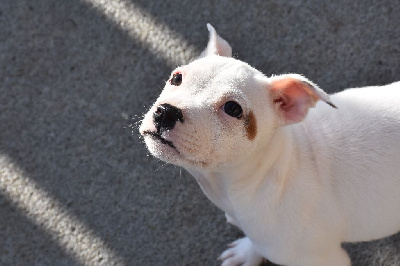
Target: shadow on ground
x=71 y=83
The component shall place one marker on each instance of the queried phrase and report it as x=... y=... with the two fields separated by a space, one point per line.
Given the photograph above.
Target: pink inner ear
x=292 y=99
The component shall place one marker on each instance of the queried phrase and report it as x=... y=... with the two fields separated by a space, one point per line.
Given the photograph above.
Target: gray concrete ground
x=78 y=188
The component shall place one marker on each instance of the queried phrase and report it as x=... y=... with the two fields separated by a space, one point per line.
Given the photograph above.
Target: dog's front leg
x=241 y=252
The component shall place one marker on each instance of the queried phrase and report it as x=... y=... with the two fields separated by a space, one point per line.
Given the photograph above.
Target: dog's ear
x=293 y=95
x=216 y=45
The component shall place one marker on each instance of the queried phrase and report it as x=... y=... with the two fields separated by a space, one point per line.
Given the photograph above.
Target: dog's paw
x=240 y=252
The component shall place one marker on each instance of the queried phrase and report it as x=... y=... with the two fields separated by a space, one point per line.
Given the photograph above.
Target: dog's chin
x=160 y=147
x=166 y=151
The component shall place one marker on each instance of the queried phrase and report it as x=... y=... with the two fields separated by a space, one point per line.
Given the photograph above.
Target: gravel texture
x=77 y=187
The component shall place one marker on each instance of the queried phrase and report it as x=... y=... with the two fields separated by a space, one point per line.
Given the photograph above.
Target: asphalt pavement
x=77 y=186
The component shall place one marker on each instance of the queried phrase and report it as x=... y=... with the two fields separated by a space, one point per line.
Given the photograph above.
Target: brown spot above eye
x=251 y=126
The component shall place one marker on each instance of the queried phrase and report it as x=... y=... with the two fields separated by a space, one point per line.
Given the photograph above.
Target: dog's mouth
x=182 y=161
x=158 y=136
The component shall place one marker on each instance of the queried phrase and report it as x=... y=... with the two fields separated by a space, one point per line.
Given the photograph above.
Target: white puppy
x=298 y=182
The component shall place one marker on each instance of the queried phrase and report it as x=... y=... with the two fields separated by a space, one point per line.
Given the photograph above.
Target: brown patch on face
x=251 y=126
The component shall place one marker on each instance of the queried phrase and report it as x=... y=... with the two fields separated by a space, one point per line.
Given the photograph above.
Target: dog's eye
x=176 y=79
x=233 y=109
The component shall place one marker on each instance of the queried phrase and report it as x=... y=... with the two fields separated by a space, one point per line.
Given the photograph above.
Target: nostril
x=160 y=109
x=159 y=112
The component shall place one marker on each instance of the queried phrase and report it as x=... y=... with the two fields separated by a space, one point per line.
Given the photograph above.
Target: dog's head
x=217 y=110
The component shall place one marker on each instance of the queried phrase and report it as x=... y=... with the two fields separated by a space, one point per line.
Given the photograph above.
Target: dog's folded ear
x=293 y=95
x=216 y=45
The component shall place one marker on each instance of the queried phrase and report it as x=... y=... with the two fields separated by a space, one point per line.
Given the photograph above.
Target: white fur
x=297 y=190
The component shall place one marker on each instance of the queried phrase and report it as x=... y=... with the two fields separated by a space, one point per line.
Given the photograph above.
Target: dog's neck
x=266 y=169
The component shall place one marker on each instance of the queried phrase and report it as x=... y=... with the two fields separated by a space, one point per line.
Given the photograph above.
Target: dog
x=297 y=170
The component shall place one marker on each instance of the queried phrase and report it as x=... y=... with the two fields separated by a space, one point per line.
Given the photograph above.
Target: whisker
x=162 y=166
x=180 y=171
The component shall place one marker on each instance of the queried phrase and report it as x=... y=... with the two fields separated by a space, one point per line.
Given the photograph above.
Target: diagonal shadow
x=337 y=45
x=70 y=78
x=14 y=249
x=70 y=81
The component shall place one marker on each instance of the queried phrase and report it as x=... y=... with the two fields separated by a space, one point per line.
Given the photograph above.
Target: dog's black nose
x=165 y=117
